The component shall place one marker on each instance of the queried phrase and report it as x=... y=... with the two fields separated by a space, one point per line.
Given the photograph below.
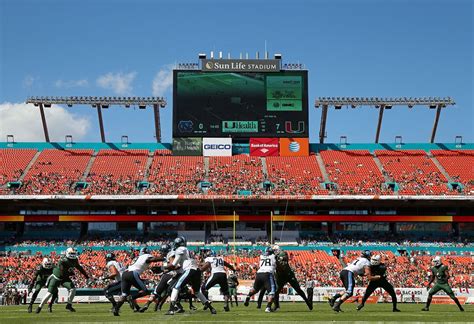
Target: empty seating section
x=116 y=172
x=414 y=172
x=354 y=172
x=13 y=162
x=227 y=175
x=55 y=172
x=459 y=165
x=295 y=175
x=176 y=175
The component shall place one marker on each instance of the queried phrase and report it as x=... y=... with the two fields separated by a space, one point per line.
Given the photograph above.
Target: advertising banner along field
x=217 y=146
x=294 y=146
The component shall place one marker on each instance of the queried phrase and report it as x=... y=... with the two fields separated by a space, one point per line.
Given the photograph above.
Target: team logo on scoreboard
x=185 y=126
x=289 y=127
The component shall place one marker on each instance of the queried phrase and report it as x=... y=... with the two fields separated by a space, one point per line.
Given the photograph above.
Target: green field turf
x=290 y=312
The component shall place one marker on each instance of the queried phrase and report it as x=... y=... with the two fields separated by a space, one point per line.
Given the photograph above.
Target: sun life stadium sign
x=232 y=65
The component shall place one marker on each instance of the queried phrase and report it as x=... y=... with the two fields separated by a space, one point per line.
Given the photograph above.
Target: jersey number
x=265 y=262
x=219 y=263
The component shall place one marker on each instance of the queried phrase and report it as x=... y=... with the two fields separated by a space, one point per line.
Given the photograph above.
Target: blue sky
x=351 y=48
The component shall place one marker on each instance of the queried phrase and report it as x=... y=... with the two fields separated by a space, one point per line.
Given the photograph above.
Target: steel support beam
x=379 y=124
x=45 y=126
x=101 y=123
x=435 y=125
x=322 y=127
x=156 y=110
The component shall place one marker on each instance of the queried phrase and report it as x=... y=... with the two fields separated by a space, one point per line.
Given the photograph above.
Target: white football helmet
x=46 y=263
x=276 y=249
x=375 y=260
x=437 y=261
x=71 y=253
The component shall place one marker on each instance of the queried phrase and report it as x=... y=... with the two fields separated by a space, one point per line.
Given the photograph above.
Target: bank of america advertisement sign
x=217 y=146
x=264 y=146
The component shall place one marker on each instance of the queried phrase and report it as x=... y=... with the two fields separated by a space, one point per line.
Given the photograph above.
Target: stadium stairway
x=322 y=167
x=380 y=166
x=206 y=168
x=148 y=165
x=264 y=167
x=89 y=166
x=440 y=167
x=28 y=167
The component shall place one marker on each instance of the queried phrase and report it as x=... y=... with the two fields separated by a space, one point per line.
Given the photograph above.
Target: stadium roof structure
x=100 y=103
x=381 y=104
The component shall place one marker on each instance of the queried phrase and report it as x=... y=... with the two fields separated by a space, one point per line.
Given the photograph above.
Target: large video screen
x=253 y=104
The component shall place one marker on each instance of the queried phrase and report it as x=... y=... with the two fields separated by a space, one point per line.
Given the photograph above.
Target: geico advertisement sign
x=217 y=146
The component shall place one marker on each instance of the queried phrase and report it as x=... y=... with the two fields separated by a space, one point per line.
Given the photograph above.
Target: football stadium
x=247 y=213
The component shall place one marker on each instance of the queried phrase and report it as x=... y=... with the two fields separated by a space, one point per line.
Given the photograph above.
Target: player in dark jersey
x=40 y=278
x=62 y=277
x=440 y=272
x=233 y=282
x=284 y=275
x=376 y=274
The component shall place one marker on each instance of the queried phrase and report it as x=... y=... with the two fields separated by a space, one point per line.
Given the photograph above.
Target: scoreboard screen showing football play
x=240 y=104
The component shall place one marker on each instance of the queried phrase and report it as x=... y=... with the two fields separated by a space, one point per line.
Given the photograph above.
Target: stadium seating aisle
x=13 y=163
x=295 y=175
x=55 y=172
x=414 y=172
x=116 y=172
x=354 y=172
x=228 y=175
x=171 y=175
x=459 y=165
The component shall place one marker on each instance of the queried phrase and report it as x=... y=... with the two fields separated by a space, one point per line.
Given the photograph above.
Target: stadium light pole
x=382 y=104
x=99 y=103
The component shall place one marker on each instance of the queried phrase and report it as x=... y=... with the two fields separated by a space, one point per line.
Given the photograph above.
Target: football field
x=289 y=313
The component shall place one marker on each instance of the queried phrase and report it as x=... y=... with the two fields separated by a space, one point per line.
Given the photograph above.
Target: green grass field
x=290 y=312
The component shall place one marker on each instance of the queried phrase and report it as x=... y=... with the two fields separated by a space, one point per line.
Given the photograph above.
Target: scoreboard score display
x=240 y=104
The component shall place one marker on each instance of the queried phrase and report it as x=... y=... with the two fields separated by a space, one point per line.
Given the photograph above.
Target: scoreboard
x=240 y=104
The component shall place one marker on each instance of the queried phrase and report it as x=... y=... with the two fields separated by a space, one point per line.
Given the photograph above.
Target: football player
x=218 y=276
x=115 y=273
x=284 y=275
x=61 y=276
x=192 y=275
x=131 y=277
x=233 y=282
x=347 y=275
x=376 y=274
x=265 y=278
x=440 y=273
x=43 y=271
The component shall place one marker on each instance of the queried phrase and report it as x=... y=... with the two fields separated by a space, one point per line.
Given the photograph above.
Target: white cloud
x=120 y=83
x=163 y=81
x=24 y=122
x=71 y=83
x=29 y=80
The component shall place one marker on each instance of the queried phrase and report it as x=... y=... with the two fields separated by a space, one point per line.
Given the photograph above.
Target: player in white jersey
x=131 y=277
x=159 y=293
x=192 y=275
x=265 y=278
x=347 y=275
x=218 y=276
x=115 y=273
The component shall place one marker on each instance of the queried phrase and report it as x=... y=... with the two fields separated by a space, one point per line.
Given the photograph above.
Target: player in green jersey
x=62 y=277
x=43 y=271
x=440 y=272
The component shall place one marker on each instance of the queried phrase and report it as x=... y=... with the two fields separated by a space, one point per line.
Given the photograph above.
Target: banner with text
x=264 y=146
x=219 y=146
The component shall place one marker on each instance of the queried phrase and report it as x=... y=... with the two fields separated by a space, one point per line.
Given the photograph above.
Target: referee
x=376 y=273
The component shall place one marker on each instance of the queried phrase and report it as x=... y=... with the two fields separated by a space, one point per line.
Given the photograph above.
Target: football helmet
x=144 y=250
x=109 y=257
x=179 y=241
x=366 y=254
x=46 y=263
x=71 y=253
x=437 y=261
x=375 y=259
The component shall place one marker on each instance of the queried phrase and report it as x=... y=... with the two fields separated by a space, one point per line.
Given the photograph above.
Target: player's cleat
x=461 y=309
x=258 y=306
x=276 y=308
x=193 y=308
x=268 y=310
x=30 y=308
x=70 y=308
x=205 y=307
x=213 y=310
x=50 y=307
x=360 y=307
x=158 y=306
x=143 y=309
x=247 y=301
x=425 y=309
x=226 y=308
x=331 y=301
x=38 y=310
x=179 y=311
x=116 y=311
x=337 y=308
x=170 y=312
x=310 y=305
x=396 y=310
